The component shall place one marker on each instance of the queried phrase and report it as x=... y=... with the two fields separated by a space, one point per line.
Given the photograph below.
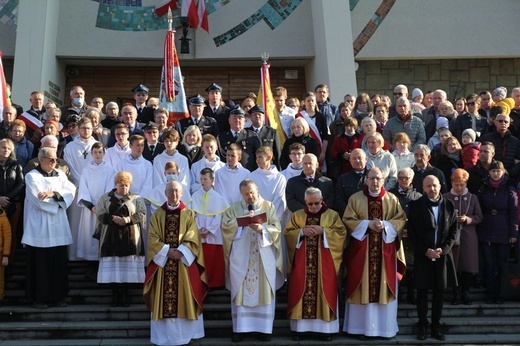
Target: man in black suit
x=247 y=140
x=351 y=182
x=152 y=146
x=144 y=113
x=268 y=136
x=129 y=116
x=216 y=108
x=37 y=108
x=310 y=177
x=432 y=228
x=205 y=124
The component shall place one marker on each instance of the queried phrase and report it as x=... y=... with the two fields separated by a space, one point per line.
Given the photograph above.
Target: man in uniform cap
x=268 y=136
x=246 y=139
x=206 y=124
x=217 y=109
x=152 y=146
x=144 y=113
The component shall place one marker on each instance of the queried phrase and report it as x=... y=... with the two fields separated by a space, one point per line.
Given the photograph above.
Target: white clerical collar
x=374 y=194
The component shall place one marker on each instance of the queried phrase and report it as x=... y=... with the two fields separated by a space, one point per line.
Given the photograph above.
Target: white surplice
x=208 y=207
x=372 y=319
x=142 y=174
x=175 y=331
x=77 y=155
x=160 y=161
x=198 y=166
x=227 y=181
x=271 y=186
x=116 y=154
x=95 y=181
x=45 y=221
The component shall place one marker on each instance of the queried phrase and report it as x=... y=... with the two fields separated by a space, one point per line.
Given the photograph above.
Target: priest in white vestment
x=77 y=155
x=46 y=231
x=254 y=263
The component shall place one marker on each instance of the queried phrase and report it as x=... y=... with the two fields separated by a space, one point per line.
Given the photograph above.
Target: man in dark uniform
x=144 y=113
x=152 y=146
x=351 y=182
x=268 y=136
x=216 y=108
x=205 y=124
x=247 y=140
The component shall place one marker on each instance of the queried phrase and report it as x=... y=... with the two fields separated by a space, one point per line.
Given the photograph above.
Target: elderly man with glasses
x=374 y=260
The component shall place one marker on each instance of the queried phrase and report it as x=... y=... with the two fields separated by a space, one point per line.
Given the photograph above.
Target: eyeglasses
x=51 y=159
x=398 y=94
x=310 y=204
x=375 y=178
x=471 y=103
x=503 y=121
x=403 y=178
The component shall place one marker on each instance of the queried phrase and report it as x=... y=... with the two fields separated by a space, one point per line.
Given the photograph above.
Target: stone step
x=212 y=312
x=222 y=329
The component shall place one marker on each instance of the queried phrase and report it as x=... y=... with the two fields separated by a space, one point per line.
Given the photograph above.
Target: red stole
x=377 y=250
x=304 y=276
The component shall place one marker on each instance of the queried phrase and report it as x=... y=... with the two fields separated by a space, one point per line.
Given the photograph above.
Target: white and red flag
x=196 y=13
x=5 y=98
x=172 y=95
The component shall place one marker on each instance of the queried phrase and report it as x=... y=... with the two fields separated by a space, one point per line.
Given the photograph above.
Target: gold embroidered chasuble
x=371 y=267
x=175 y=291
x=308 y=296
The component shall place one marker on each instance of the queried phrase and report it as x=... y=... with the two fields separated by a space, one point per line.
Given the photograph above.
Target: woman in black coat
x=450 y=158
x=191 y=144
x=499 y=226
x=12 y=187
x=300 y=134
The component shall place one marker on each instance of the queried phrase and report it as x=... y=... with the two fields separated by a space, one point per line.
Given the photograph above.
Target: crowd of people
x=348 y=198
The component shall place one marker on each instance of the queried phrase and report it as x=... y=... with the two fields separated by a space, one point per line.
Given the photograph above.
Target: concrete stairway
x=88 y=319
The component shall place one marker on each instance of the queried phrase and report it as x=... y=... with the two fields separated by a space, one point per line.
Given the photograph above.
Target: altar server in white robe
x=210 y=160
x=254 y=263
x=140 y=168
x=122 y=146
x=46 y=231
x=96 y=180
x=228 y=177
x=170 y=139
x=271 y=183
x=77 y=155
x=156 y=196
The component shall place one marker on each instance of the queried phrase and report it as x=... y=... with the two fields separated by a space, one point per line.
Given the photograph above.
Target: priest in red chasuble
x=315 y=240
x=374 y=259
x=175 y=283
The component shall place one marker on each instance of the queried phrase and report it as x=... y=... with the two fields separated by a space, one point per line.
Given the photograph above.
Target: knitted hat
x=442 y=122
x=471 y=133
x=416 y=92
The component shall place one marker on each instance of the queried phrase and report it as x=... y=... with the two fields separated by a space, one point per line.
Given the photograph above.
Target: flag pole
x=265 y=59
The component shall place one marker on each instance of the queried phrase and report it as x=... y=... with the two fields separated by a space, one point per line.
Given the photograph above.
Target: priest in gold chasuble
x=315 y=240
x=175 y=283
x=254 y=263
x=374 y=259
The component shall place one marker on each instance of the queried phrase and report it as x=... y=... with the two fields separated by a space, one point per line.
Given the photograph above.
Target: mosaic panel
x=8 y=11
